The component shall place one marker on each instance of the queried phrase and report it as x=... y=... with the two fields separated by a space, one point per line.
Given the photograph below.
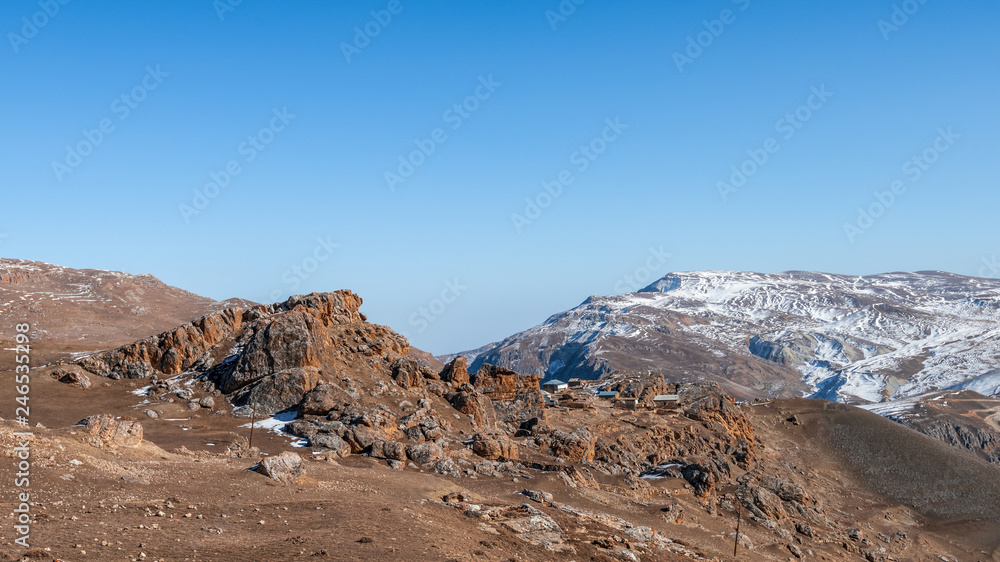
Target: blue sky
x=453 y=256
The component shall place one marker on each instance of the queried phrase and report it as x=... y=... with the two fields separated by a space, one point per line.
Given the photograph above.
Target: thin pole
x=253 y=418
x=739 y=519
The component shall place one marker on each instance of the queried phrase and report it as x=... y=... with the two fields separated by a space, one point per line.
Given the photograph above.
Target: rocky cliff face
x=268 y=355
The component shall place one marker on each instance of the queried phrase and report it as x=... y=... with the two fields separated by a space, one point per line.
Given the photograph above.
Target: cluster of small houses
x=556 y=387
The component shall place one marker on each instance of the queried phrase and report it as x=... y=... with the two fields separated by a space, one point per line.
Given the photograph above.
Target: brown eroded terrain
x=373 y=451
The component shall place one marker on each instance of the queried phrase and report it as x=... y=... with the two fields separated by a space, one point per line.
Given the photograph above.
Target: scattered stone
x=151 y=414
x=535 y=495
x=494 y=447
x=324 y=398
x=425 y=453
x=455 y=372
x=76 y=378
x=389 y=450
x=330 y=441
x=284 y=468
x=207 y=402
x=458 y=497
x=106 y=431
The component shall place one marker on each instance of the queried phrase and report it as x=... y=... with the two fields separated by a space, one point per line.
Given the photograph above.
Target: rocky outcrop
x=170 y=353
x=289 y=341
x=455 y=372
x=72 y=378
x=494 y=447
x=577 y=446
x=516 y=398
x=407 y=373
x=280 y=391
x=269 y=356
x=285 y=468
x=471 y=402
x=107 y=432
x=424 y=453
x=321 y=400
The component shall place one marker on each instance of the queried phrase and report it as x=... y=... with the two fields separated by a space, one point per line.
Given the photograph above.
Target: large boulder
x=764 y=504
x=480 y=407
x=360 y=439
x=293 y=340
x=456 y=372
x=700 y=477
x=425 y=453
x=74 y=378
x=407 y=373
x=324 y=398
x=284 y=468
x=516 y=398
x=106 y=431
x=575 y=446
x=389 y=450
x=330 y=441
x=279 y=391
x=494 y=447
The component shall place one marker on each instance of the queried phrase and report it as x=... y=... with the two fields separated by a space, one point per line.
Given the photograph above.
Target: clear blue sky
x=656 y=184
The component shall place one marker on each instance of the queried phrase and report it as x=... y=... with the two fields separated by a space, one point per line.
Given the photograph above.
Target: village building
x=662 y=400
x=555 y=385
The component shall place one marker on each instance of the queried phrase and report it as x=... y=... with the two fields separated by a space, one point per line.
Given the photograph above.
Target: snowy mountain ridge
x=849 y=338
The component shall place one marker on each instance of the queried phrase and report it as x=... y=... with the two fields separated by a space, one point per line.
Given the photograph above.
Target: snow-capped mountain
x=848 y=338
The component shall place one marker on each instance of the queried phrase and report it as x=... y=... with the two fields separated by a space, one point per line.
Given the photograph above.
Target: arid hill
x=367 y=451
